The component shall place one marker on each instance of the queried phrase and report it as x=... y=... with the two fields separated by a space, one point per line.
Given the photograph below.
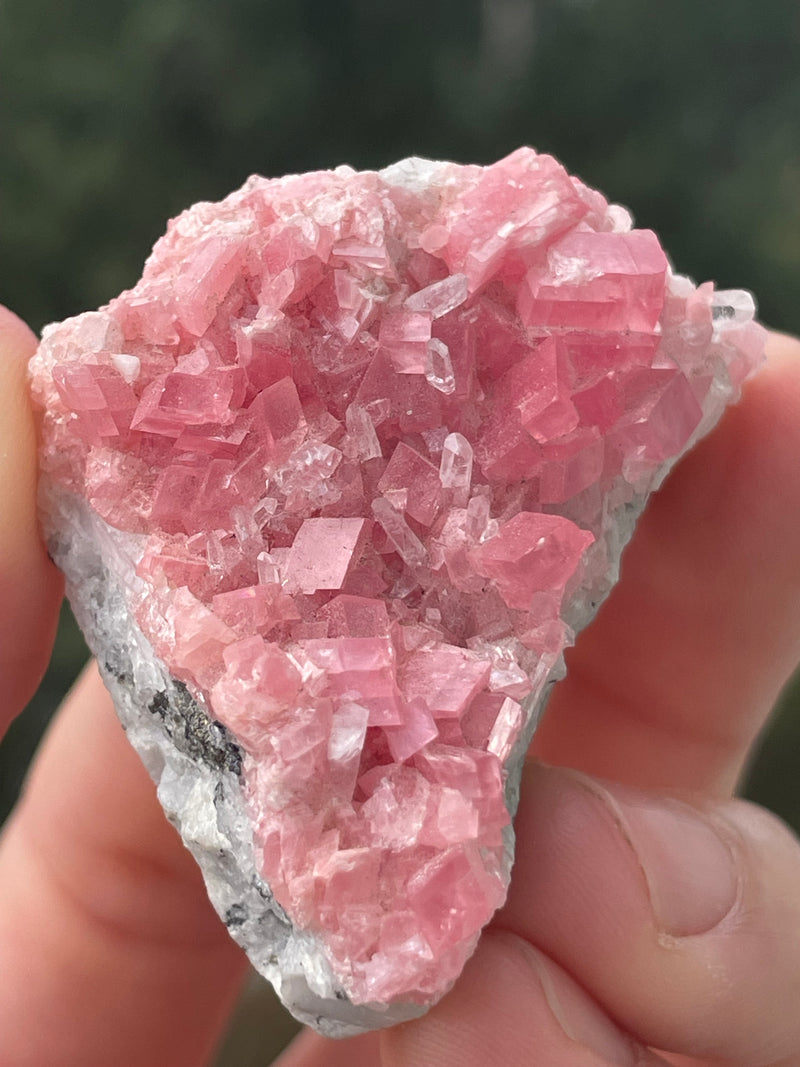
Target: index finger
x=670 y=685
x=30 y=586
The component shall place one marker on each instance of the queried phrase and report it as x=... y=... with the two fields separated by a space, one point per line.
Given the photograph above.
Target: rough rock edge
x=193 y=761
x=196 y=763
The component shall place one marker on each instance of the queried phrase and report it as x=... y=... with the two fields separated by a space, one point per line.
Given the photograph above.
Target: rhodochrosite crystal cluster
x=333 y=485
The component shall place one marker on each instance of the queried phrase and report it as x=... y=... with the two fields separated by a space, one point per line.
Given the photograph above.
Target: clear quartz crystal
x=268 y=572
x=439 y=367
x=440 y=298
x=362 y=430
x=477 y=519
x=455 y=469
x=399 y=533
x=732 y=307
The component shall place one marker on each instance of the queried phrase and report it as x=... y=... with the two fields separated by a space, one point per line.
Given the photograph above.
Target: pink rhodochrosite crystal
x=334 y=485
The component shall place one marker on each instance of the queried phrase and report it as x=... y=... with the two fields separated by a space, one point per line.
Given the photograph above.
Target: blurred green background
x=115 y=115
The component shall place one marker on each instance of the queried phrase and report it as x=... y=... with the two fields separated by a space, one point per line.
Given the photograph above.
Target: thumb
x=30 y=586
x=680 y=917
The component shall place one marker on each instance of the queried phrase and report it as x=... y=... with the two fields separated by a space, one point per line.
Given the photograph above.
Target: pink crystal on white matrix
x=357 y=456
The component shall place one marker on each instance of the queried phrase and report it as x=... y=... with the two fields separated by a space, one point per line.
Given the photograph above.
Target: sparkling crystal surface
x=334 y=485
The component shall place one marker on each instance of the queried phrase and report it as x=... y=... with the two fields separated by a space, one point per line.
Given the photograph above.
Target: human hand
x=109 y=950
x=110 y=953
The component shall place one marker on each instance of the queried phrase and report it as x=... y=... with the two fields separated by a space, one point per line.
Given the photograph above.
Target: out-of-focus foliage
x=116 y=114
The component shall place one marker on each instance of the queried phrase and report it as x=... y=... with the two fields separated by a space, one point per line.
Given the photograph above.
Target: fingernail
x=579 y=1017
x=688 y=864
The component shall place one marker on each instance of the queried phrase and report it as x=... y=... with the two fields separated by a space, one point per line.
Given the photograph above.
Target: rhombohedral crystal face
x=333 y=486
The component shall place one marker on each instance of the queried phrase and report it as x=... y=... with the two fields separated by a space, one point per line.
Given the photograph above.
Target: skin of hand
x=649 y=910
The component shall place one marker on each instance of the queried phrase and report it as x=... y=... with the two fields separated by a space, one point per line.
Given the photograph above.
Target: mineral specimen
x=333 y=487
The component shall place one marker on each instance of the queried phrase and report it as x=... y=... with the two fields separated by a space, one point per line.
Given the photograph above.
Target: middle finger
x=668 y=688
x=115 y=952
